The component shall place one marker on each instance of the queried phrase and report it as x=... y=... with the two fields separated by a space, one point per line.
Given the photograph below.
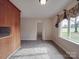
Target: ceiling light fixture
x=43 y=2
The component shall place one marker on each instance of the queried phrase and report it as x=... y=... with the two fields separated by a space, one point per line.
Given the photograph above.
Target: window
x=69 y=29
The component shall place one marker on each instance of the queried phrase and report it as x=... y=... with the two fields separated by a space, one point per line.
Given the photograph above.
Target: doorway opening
x=39 y=31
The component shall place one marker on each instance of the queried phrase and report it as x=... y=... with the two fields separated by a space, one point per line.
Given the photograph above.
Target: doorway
x=39 y=31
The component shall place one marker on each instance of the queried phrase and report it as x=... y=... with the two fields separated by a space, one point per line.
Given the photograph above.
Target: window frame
x=68 y=31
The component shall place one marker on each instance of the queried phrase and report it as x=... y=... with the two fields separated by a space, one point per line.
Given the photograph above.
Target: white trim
x=69 y=39
x=13 y=53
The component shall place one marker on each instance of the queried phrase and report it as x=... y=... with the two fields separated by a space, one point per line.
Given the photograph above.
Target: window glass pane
x=72 y=25
x=78 y=23
x=74 y=30
x=64 y=28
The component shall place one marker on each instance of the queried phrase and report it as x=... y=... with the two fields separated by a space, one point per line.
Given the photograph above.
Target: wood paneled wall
x=9 y=17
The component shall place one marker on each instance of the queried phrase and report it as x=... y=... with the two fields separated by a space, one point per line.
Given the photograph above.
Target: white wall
x=29 y=28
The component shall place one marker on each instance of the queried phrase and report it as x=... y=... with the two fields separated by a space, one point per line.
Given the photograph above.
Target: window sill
x=70 y=40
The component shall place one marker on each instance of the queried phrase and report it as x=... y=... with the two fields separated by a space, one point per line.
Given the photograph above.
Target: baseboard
x=13 y=53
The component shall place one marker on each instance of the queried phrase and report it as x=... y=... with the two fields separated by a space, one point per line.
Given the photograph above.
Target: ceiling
x=32 y=8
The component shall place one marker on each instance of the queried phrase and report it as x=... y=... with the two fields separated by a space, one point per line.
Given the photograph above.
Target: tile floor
x=37 y=50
